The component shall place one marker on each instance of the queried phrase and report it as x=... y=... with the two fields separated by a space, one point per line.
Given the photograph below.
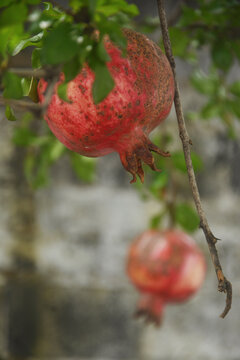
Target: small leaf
x=222 y=55
x=59 y=46
x=160 y=181
x=56 y=150
x=180 y=164
x=14 y=14
x=9 y=113
x=71 y=69
x=207 y=85
x=33 y=2
x=12 y=86
x=62 y=92
x=83 y=167
x=187 y=217
x=23 y=136
x=92 y=6
x=180 y=41
x=5 y=2
x=236 y=48
x=235 y=88
x=36 y=60
x=33 y=93
x=25 y=86
x=110 y=8
x=235 y=108
x=28 y=42
x=103 y=82
x=51 y=11
x=155 y=221
x=210 y=110
x=101 y=51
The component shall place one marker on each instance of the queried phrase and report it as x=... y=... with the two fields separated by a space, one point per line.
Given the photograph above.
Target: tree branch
x=38 y=109
x=223 y=284
x=36 y=73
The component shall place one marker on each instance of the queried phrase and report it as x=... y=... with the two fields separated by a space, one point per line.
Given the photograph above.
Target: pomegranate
x=140 y=100
x=166 y=267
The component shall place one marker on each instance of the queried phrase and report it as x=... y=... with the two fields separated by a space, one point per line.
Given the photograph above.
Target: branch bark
x=38 y=109
x=223 y=284
x=37 y=73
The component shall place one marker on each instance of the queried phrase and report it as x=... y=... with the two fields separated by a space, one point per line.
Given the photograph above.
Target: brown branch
x=36 y=73
x=223 y=284
x=38 y=109
x=20 y=104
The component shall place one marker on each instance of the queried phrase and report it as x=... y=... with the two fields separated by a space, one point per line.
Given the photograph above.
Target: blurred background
x=66 y=223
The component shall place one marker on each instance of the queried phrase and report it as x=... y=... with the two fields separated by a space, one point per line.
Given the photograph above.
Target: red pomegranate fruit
x=166 y=267
x=140 y=100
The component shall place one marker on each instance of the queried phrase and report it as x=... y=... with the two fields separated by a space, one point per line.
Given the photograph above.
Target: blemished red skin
x=140 y=100
x=166 y=267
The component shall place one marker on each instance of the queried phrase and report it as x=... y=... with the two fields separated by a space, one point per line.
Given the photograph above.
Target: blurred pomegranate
x=140 y=100
x=166 y=267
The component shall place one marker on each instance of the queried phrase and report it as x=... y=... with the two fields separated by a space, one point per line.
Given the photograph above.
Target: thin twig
x=37 y=73
x=38 y=109
x=20 y=104
x=223 y=284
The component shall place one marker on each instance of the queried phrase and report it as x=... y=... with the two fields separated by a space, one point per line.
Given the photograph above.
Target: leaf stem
x=223 y=284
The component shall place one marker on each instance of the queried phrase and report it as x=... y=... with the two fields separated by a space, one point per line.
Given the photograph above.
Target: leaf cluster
x=42 y=150
x=165 y=187
x=64 y=38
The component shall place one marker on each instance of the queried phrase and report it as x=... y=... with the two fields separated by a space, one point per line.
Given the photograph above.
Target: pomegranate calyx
x=132 y=160
x=150 y=308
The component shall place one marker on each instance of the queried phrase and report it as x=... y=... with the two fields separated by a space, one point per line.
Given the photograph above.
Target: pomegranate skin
x=140 y=100
x=166 y=267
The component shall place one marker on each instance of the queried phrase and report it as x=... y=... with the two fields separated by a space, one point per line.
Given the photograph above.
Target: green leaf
x=51 y=11
x=101 y=51
x=5 y=3
x=211 y=110
x=26 y=83
x=103 y=82
x=23 y=136
x=156 y=220
x=84 y=167
x=180 y=164
x=235 y=88
x=222 y=55
x=110 y=8
x=235 y=108
x=59 y=45
x=71 y=68
x=76 y=5
x=180 y=41
x=196 y=161
x=92 y=4
x=36 y=60
x=56 y=150
x=114 y=31
x=207 y=85
x=14 y=14
x=236 y=48
x=33 y=93
x=10 y=113
x=62 y=92
x=187 y=217
x=34 y=40
x=33 y=2
x=12 y=86
x=160 y=181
